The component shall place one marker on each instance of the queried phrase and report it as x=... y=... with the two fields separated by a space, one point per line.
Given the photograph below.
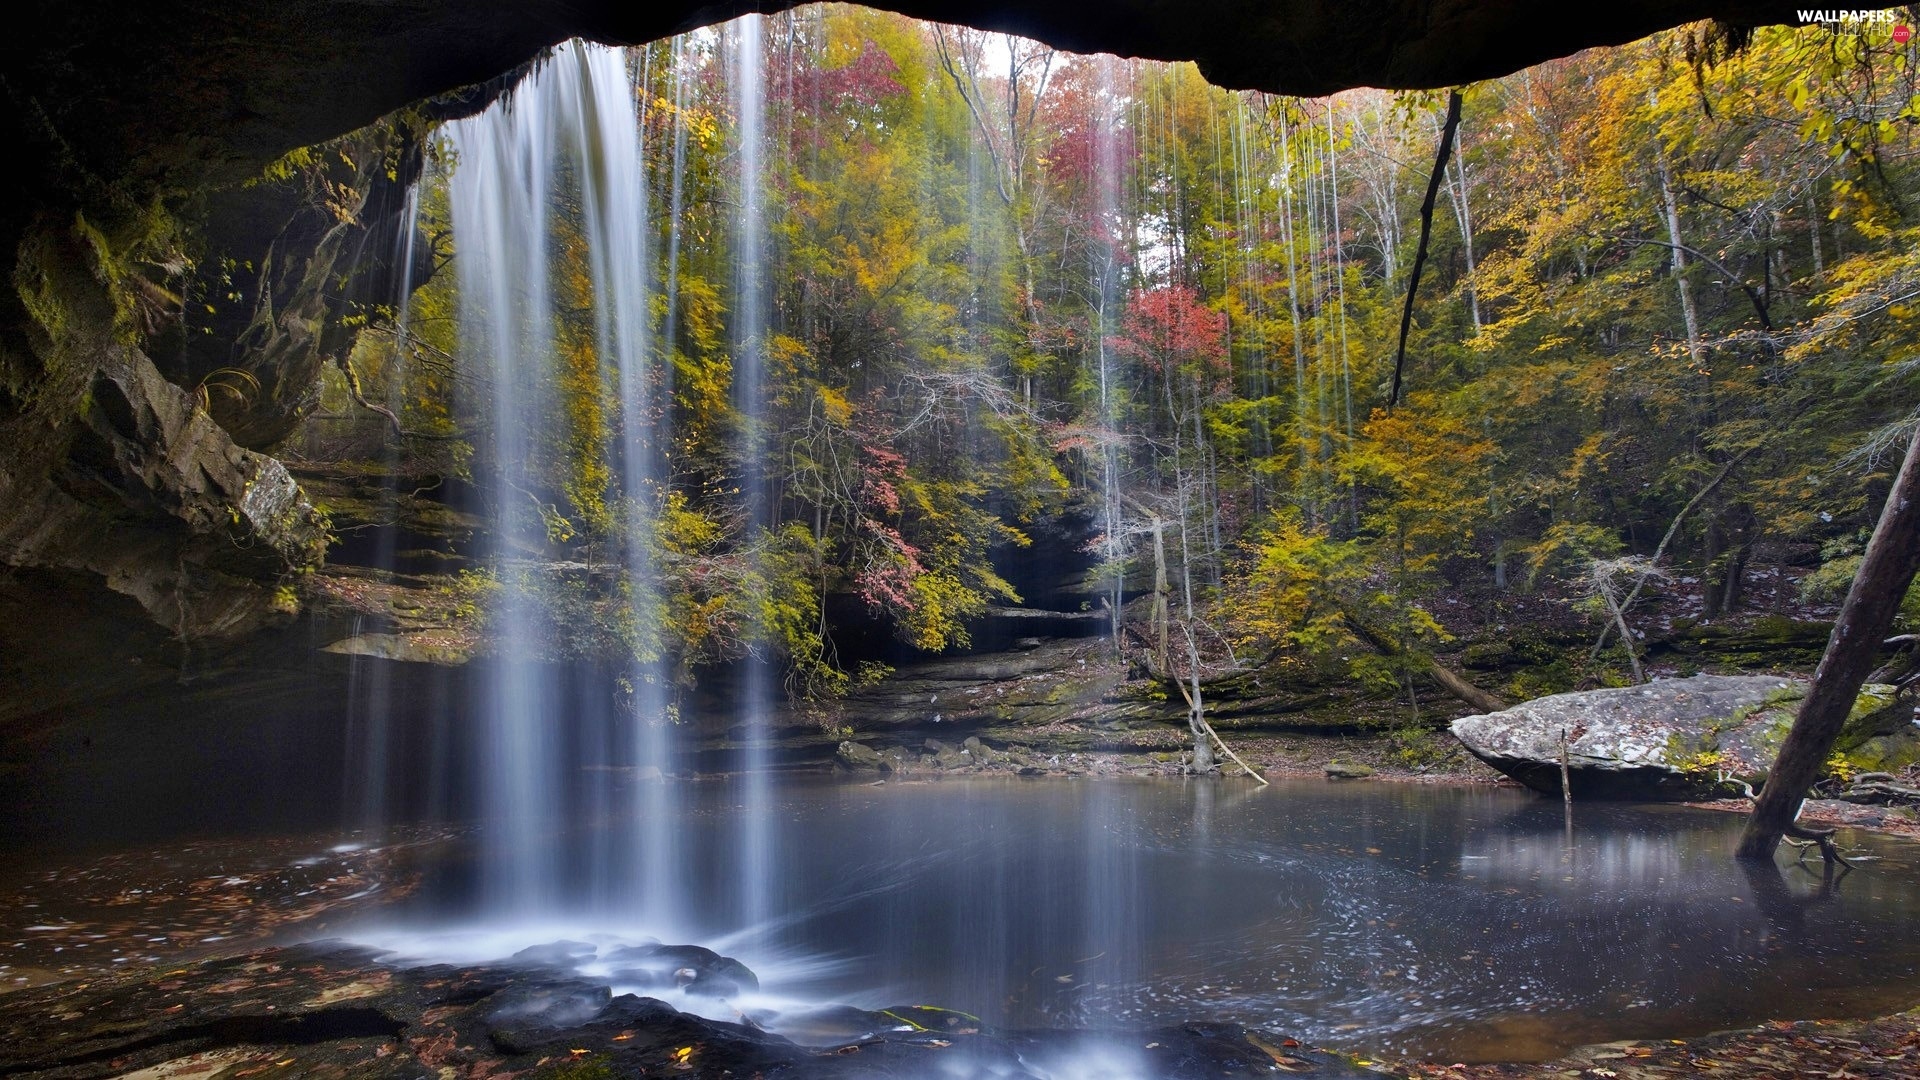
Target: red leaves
x=881 y=468
x=1169 y=328
x=887 y=579
x=865 y=81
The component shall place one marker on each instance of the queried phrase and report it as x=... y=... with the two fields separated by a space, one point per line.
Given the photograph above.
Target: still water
x=1442 y=922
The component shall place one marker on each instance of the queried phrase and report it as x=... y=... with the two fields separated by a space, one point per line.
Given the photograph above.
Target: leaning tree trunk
x=1379 y=641
x=1885 y=572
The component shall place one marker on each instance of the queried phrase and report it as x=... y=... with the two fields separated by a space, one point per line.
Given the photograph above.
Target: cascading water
x=661 y=865
x=1109 y=922
x=746 y=71
x=576 y=110
x=1104 y=273
x=370 y=681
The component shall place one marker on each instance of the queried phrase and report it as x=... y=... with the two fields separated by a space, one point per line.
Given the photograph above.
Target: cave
x=607 y=538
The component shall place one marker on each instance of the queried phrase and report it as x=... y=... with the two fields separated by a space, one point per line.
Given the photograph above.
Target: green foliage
x=1417 y=747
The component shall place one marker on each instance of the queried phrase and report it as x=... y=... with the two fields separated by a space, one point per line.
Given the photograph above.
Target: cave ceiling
x=170 y=96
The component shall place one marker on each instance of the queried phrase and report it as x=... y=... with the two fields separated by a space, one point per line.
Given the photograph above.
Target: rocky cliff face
x=117 y=476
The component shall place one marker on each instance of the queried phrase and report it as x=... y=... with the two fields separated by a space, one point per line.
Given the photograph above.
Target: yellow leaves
x=1590 y=455
x=1290 y=593
x=836 y=407
x=684 y=531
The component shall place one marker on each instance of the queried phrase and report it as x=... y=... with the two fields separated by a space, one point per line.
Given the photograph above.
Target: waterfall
x=746 y=76
x=370 y=693
x=570 y=120
x=1106 y=269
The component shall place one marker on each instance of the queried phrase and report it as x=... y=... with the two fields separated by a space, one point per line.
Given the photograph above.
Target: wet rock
x=692 y=969
x=127 y=487
x=522 y=1019
x=1676 y=739
x=329 y=1010
x=556 y=953
x=1340 y=770
x=405 y=648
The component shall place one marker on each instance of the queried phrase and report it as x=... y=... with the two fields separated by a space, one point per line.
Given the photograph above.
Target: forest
x=1661 y=346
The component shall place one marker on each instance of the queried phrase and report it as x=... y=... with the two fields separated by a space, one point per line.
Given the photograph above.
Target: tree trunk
x=1680 y=261
x=1462 y=689
x=1463 y=216
x=1203 y=764
x=1448 y=680
x=1160 y=589
x=1885 y=573
x=1426 y=231
x=1712 y=551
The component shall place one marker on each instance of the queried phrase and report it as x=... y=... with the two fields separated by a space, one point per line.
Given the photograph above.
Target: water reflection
x=1453 y=923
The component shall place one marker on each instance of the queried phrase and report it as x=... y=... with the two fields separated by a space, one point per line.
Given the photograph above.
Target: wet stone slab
x=334 y=1010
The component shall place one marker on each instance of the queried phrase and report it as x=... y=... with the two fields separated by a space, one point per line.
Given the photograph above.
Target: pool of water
x=1442 y=922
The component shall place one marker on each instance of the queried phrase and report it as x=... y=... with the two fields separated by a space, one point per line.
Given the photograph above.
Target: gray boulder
x=858 y=757
x=1675 y=739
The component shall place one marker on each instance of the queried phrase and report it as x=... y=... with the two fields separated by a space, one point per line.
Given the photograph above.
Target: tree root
x=1796 y=835
x=1802 y=837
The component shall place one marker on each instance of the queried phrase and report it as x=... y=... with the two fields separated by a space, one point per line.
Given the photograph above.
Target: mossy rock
x=1886 y=753
x=1674 y=739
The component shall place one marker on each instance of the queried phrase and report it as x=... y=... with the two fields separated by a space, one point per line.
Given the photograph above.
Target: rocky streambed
x=333 y=1010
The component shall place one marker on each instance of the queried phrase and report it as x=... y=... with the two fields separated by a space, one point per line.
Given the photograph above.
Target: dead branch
x=1673 y=529
x=1199 y=716
x=360 y=398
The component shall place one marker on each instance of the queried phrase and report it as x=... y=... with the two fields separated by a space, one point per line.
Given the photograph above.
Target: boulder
x=1675 y=739
x=693 y=969
x=946 y=756
x=1340 y=770
x=859 y=757
x=562 y=953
